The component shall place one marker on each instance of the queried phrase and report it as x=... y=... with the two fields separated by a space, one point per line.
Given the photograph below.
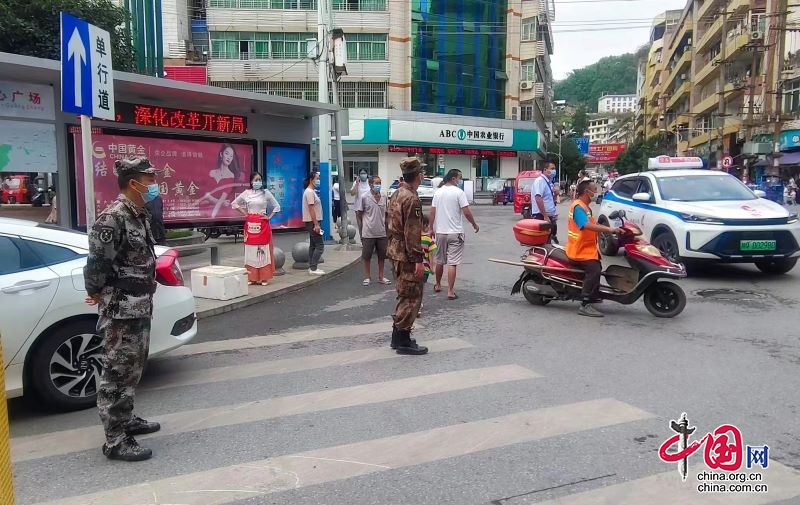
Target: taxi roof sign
x=673 y=163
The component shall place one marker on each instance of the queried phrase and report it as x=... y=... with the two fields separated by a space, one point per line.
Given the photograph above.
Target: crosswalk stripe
x=264 y=368
x=247 y=480
x=668 y=489
x=64 y=442
x=254 y=342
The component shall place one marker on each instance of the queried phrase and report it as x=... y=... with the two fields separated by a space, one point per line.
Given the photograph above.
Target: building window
x=366 y=47
x=529 y=27
x=791 y=96
x=527 y=71
x=259 y=46
x=362 y=95
x=352 y=94
x=341 y=5
x=526 y=113
x=359 y=5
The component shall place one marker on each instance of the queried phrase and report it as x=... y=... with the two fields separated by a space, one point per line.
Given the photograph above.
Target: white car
x=425 y=190
x=48 y=332
x=698 y=214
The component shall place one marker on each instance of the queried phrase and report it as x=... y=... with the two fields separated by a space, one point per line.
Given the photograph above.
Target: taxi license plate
x=757 y=245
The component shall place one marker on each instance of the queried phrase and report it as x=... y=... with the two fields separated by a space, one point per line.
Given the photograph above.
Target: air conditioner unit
x=756 y=36
x=683 y=77
x=526 y=85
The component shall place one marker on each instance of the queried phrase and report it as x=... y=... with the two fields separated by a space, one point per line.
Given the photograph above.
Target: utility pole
x=721 y=112
x=324 y=136
x=780 y=31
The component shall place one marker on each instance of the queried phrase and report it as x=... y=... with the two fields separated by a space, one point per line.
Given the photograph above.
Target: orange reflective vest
x=581 y=244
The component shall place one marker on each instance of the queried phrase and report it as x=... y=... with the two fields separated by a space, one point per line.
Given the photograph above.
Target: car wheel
x=608 y=244
x=666 y=243
x=776 y=267
x=65 y=367
x=12 y=200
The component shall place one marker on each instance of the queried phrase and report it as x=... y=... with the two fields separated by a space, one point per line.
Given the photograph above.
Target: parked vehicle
x=506 y=194
x=425 y=190
x=549 y=275
x=218 y=231
x=16 y=189
x=49 y=333
x=522 y=194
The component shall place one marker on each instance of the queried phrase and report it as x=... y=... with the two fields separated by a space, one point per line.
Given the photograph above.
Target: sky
x=586 y=30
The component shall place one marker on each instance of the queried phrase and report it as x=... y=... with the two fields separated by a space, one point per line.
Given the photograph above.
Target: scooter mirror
x=614 y=215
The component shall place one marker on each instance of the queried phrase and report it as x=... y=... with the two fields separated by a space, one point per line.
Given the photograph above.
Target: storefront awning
x=787 y=159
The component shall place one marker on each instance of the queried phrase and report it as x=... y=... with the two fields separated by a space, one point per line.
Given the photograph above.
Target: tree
x=572 y=160
x=635 y=157
x=585 y=86
x=580 y=122
x=32 y=27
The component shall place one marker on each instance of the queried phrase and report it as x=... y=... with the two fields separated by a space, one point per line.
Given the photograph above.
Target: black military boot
x=138 y=426
x=127 y=450
x=407 y=345
x=395 y=333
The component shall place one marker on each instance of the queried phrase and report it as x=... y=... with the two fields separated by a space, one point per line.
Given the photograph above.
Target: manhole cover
x=730 y=294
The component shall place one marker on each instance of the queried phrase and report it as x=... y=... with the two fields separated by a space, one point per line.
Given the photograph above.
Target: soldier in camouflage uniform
x=120 y=277
x=405 y=250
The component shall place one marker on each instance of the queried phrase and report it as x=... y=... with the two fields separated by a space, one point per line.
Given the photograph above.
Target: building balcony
x=682 y=66
x=289 y=20
x=711 y=35
x=531 y=49
x=700 y=139
x=735 y=46
x=290 y=70
x=705 y=10
x=681 y=92
x=529 y=90
x=706 y=73
x=738 y=7
x=706 y=104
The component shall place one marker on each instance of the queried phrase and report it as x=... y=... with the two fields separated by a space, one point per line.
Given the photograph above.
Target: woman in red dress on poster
x=258 y=206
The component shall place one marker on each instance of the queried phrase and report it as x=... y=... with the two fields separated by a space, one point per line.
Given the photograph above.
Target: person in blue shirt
x=544 y=195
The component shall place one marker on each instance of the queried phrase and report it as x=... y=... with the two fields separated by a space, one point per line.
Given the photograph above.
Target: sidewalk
x=335 y=263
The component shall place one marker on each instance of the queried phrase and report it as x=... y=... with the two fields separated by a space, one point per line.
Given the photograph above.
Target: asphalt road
x=515 y=404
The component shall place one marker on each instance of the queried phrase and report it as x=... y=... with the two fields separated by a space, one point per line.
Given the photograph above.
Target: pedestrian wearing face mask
x=544 y=196
x=120 y=278
x=312 y=218
x=373 y=208
x=360 y=189
x=258 y=206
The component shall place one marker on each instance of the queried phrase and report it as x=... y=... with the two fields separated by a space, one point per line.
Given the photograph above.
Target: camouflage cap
x=411 y=165
x=139 y=165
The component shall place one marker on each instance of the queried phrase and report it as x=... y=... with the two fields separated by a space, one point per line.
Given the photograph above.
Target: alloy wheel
x=75 y=366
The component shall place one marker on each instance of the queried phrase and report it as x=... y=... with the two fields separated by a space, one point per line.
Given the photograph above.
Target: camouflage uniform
x=405 y=250
x=121 y=271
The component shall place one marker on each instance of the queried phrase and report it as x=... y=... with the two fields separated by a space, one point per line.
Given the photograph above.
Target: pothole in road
x=730 y=294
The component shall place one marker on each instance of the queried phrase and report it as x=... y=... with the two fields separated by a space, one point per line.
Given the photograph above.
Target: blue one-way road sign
x=87 y=76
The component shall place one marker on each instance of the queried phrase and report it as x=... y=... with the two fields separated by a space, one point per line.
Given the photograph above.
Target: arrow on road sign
x=77 y=53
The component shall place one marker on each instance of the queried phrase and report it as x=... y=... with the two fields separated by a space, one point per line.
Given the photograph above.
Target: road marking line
x=255 y=342
x=282 y=366
x=668 y=489
x=238 y=482
x=80 y=439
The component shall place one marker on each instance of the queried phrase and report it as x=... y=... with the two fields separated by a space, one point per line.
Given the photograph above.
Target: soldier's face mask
x=151 y=191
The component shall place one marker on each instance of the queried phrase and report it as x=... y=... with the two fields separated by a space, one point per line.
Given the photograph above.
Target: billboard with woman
x=198 y=178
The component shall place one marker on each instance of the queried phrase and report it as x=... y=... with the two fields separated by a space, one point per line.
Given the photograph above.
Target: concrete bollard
x=279 y=259
x=300 y=256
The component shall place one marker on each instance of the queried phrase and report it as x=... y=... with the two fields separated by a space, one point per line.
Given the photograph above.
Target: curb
x=274 y=294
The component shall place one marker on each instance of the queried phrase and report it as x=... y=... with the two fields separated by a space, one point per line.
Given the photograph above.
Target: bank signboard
x=455 y=135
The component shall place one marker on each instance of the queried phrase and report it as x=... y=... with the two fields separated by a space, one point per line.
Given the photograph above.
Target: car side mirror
x=643 y=197
x=760 y=194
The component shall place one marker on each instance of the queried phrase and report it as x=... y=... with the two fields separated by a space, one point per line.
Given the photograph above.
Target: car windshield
x=427 y=183
x=703 y=188
x=525 y=184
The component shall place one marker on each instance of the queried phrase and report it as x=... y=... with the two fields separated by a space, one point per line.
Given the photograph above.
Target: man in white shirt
x=448 y=209
x=543 y=195
x=360 y=188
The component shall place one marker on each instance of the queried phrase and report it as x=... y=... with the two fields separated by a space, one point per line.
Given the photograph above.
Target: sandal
x=437 y=288
x=454 y=297
x=384 y=281
x=365 y=282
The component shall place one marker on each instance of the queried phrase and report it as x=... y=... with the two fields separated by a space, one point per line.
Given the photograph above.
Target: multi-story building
x=601 y=127
x=616 y=104
x=446 y=68
x=701 y=83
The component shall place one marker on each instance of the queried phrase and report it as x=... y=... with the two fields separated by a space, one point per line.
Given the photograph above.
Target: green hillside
x=612 y=74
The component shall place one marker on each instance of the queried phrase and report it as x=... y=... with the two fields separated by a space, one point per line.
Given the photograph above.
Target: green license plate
x=757 y=245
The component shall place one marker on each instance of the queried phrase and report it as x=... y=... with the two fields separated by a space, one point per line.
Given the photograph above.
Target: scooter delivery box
x=532 y=232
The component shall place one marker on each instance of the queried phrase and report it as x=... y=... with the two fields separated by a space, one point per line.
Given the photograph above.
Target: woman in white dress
x=258 y=206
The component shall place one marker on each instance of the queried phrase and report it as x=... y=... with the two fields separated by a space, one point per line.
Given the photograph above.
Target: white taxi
x=691 y=213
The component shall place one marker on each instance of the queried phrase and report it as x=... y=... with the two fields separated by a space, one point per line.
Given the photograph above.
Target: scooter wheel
x=665 y=299
x=533 y=298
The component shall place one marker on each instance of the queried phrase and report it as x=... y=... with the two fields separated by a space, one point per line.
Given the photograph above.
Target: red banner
x=198 y=178
x=605 y=153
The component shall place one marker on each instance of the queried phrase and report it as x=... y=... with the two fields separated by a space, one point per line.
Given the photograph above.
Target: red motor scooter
x=550 y=275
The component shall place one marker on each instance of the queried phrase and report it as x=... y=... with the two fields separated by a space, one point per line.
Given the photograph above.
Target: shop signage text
x=453 y=151
x=30 y=101
x=182 y=119
x=415 y=131
x=605 y=153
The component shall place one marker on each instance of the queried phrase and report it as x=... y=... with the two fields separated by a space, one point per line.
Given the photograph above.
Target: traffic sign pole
x=88 y=169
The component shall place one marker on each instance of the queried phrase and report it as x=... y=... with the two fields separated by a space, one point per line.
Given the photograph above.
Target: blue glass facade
x=458 y=57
